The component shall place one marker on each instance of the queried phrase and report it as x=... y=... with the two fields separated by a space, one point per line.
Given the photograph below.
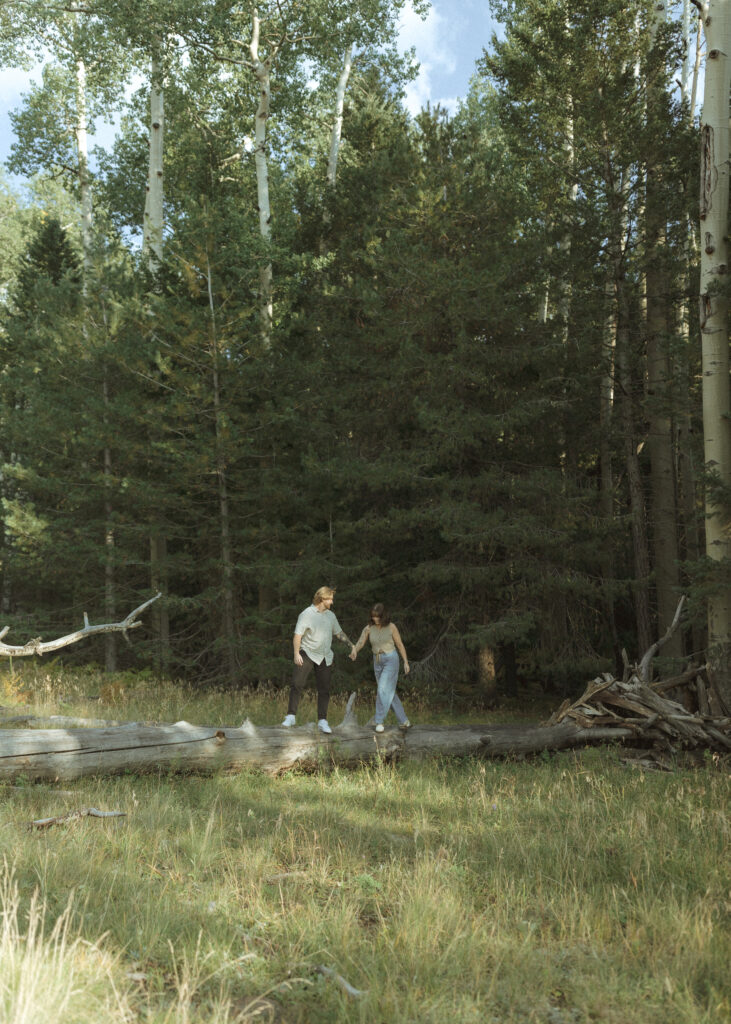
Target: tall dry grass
x=565 y=889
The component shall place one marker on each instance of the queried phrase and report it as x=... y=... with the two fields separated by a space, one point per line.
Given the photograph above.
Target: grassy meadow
x=563 y=889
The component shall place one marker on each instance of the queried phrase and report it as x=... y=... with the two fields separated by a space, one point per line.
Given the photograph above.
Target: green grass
x=565 y=889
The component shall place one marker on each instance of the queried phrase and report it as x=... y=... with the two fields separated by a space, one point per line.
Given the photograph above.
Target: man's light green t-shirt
x=317 y=630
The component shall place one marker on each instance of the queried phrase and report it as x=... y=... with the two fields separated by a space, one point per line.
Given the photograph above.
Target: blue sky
x=448 y=43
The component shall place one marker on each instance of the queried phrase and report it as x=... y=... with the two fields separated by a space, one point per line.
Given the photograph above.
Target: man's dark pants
x=299 y=678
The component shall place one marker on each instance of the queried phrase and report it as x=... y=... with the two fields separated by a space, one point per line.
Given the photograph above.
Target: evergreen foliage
x=424 y=426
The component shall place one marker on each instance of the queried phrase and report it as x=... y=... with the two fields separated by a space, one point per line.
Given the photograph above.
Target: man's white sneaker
x=379 y=727
x=323 y=726
x=288 y=721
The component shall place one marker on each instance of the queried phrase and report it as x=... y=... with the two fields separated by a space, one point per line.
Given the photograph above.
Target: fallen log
x=632 y=709
x=55 y=754
x=74 y=753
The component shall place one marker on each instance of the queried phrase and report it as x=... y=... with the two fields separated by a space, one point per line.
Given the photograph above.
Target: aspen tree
x=714 y=208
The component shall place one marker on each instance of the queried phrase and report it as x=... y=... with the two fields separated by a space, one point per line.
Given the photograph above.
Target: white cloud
x=433 y=38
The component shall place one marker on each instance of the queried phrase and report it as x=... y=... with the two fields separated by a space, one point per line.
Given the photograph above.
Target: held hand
x=298 y=659
x=353 y=654
x=407 y=668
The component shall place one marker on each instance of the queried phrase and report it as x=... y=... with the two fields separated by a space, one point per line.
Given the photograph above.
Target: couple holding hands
x=312 y=643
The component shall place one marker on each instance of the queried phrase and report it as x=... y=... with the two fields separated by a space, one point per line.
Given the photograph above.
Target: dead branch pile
x=654 y=719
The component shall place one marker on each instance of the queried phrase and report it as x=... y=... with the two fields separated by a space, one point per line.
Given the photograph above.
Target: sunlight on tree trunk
x=714 y=203
x=152 y=231
x=262 y=72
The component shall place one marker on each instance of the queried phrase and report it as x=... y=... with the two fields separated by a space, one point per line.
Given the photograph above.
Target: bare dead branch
x=328 y=972
x=88 y=812
x=644 y=666
x=37 y=646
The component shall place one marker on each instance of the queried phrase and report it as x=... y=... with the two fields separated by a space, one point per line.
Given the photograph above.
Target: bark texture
x=714 y=202
x=75 y=753
x=609 y=709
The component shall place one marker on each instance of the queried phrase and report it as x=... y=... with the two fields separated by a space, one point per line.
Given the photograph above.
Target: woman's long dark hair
x=383 y=617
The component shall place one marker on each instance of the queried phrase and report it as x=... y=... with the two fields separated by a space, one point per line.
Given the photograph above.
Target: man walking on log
x=312 y=643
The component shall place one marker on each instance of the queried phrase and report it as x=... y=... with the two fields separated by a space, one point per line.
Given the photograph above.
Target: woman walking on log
x=386 y=645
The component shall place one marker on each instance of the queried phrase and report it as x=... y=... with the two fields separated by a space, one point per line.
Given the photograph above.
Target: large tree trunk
x=74 y=753
x=609 y=709
x=714 y=201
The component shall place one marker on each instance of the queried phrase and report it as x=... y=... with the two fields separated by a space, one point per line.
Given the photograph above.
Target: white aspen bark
x=84 y=181
x=262 y=72
x=152 y=249
x=696 y=69
x=152 y=230
x=685 y=67
x=337 y=129
x=714 y=204
x=543 y=307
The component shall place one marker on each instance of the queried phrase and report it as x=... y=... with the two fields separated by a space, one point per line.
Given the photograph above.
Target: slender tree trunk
x=152 y=231
x=714 y=202
x=696 y=68
x=152 y=247
x=634 y=476
x=336 y=135
x=606 y=467
x=687 y=476
x=337 y=129
x=686 y=473
x=84 y=179
x=660 y=426
x=566 y=287
x=110 y=639
x=159 y=584
x=262 y=72
x=228 y=617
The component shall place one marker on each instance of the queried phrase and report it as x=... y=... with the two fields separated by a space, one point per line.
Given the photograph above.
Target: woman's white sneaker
x=323 y=726
x=379 y=727
x=288 y=721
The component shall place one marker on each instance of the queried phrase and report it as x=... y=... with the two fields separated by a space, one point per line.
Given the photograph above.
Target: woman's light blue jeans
x=386 y=669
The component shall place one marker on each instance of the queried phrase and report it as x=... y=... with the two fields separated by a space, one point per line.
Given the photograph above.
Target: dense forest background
x=283 y=334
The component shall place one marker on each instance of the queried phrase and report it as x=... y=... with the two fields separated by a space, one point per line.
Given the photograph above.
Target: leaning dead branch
x=644 y=667
x=38 y=646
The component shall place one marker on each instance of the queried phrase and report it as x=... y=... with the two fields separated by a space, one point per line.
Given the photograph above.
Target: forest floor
x=567 y=888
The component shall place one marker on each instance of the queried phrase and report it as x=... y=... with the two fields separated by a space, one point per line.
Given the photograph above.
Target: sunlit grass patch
x=48 y=974
x=562 y=889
